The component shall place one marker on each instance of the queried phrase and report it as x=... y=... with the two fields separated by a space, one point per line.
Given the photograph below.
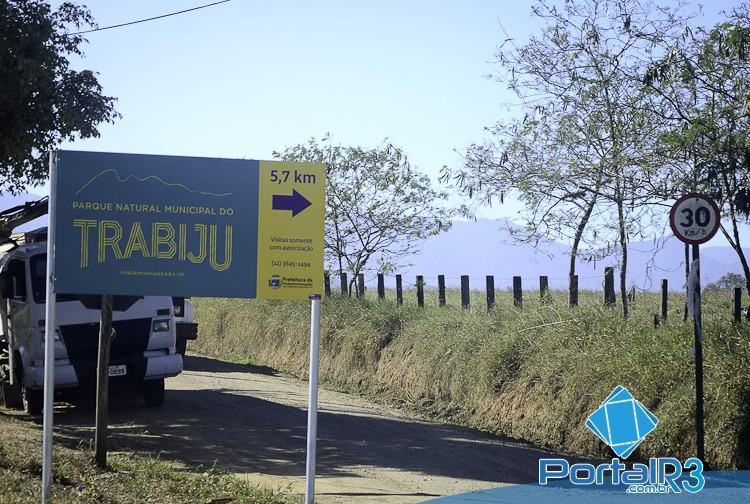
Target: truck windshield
x=38 y=265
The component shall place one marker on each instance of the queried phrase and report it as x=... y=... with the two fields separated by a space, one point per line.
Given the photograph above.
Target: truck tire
x=33 y=400
x=153 y=392
x=181 y=346
x=11 y=395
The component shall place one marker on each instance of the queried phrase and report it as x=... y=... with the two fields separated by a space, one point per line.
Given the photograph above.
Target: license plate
x=118 y=370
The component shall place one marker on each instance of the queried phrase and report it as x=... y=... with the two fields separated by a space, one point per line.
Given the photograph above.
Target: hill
x=484 y=247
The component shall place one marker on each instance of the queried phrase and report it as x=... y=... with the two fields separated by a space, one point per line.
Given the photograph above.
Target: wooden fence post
x=381 y=286
x=102 y=383
x=544 y=289
x=420 y=291
x=399 y=290
x=441 y=290
x=490 y=293
x=344 y=285
x=465 y=291
x=609 y=286
x=664 y=298
x=737 y=305
x=327 y=284
x=573 y=287
x=361 y=285
x=517 y=292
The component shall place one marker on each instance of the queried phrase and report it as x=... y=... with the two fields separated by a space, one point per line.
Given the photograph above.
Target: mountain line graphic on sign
x=122 y=180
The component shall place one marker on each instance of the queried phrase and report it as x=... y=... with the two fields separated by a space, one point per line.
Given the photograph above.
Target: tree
x=540 y=159
x=378 y=207
x=726 y=282
x=703 y=83
x=43 y=102
x=586 y=155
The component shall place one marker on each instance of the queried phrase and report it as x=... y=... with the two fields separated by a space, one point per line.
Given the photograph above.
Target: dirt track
x=252 y=421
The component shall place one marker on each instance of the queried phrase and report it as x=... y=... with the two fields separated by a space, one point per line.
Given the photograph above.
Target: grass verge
x=533 y=374
x=130 y=479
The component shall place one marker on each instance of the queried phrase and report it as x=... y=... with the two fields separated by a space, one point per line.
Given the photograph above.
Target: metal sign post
x=49 y=338
x=312 y=408
x=697 y=324
x=695 y=219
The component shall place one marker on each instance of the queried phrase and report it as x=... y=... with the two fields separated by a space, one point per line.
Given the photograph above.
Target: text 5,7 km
x=282 y=176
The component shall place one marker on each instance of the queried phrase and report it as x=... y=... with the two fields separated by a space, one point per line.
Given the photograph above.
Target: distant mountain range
x=483 y=247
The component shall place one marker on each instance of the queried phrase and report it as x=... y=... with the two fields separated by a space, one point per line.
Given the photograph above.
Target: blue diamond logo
x=622 y=422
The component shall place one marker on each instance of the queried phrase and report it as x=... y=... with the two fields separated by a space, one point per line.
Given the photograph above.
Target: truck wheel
x=181 y=346
x=153 y=392
x=33 y=400
x=11 y=395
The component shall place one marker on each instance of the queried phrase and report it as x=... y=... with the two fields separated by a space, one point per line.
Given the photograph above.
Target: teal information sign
x=142 y=225
x=134 y=224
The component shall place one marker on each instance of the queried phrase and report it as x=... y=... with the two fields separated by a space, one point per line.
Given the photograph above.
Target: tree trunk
x=579 y=235
x=339 y=248
x=736 y=244
x=624 y=261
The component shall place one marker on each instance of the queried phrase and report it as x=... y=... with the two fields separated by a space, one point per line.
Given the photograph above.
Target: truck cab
x=186 y=327
x=143 y=351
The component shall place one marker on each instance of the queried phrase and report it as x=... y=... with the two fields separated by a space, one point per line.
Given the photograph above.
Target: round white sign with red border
x=694 y=218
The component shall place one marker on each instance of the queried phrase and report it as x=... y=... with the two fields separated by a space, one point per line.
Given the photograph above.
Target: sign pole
x=49 y=338
x=697 y=323
x=312 y=408
x=695 y=218
x=102 y=383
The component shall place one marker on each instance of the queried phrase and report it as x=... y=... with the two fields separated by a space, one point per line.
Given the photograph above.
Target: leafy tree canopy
x=378 y=207
x=43 y=102
x=727 y=281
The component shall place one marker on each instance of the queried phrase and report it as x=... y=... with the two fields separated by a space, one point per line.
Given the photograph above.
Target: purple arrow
x=296 y=202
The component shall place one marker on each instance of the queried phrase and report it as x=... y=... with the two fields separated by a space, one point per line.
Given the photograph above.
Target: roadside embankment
x=534 y=374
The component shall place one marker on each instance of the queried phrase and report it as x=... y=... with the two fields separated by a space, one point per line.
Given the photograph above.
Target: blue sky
x=245 y=78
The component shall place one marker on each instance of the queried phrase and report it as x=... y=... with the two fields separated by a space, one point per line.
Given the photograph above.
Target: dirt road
x=252 y=421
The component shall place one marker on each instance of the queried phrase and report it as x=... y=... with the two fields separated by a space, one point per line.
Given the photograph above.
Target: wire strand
x=148 y=19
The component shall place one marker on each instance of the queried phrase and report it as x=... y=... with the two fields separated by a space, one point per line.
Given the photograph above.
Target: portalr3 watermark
x=622 y=422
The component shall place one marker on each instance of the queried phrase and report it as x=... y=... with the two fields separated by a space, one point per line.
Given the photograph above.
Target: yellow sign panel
x=291 y=213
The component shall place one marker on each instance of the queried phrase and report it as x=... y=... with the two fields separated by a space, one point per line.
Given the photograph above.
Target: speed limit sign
x=694 y=218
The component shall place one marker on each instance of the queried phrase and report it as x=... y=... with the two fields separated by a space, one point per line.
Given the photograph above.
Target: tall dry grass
x=534 y=374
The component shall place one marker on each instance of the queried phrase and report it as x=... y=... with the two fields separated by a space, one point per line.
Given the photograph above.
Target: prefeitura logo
x=622 y=422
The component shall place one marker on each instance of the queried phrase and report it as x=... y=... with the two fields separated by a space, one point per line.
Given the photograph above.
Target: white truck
x=143 y=349
x=187 y=329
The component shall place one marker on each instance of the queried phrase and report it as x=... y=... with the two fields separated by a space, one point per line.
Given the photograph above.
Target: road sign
x=694 y=218
x=168 y=225
x=138 y=224
x=291 y=206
